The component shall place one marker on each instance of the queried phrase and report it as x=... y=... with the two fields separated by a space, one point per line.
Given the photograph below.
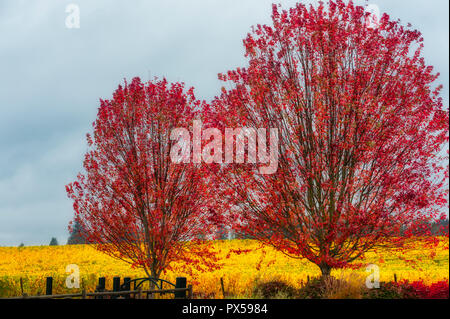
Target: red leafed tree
x=133 y=201
x=361 y=132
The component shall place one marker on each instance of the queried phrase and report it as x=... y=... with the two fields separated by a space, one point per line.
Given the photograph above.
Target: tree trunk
x=325 y=269
x=153 y=286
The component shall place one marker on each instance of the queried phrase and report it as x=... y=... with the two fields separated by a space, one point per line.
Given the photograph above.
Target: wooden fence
x=181 y=291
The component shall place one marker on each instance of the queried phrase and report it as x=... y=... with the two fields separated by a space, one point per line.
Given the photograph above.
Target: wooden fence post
x=395 y=277
x=49 y=286
x=180 y=283
x=116 y=286
x=21 y=285
x=101 y=286
x=223 y=288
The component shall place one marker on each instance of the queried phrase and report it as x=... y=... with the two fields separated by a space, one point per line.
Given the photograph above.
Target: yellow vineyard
x=239 y=272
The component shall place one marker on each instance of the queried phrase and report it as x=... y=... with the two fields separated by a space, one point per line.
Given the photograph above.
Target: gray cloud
x=52 y=77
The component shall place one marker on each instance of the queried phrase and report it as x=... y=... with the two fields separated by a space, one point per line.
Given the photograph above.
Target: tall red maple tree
x=361 y=132
x=133 y=201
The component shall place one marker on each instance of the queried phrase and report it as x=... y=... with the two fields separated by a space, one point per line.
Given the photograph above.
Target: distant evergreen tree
x=436 y=228
x=53 y=242
x=22 y=245
x=76 y=237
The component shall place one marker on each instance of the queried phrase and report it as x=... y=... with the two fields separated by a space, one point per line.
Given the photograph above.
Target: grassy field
x=239 y=272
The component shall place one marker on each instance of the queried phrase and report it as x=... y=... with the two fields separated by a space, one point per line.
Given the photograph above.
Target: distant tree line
x=437 y=228
x=440 y=228
x=76 y=235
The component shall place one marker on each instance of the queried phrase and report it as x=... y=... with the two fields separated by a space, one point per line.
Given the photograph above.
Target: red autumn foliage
x=132 y=200
x=361 y=126
x=419 y=290
x=438 y=290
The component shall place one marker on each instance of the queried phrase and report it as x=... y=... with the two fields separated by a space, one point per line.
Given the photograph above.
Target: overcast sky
x=51 y=78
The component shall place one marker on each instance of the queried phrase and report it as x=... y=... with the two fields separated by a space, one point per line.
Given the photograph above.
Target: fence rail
x=181 y=291
x=136 y=293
